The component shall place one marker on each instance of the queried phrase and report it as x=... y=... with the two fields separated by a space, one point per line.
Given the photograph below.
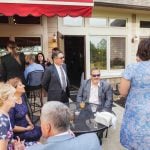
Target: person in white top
x=97 y=91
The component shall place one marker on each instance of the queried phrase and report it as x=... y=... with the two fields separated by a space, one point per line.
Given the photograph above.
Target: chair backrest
x=116 y=91
x=34 y=78
x=30 y=113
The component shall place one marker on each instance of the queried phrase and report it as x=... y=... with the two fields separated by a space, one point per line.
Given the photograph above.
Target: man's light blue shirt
x=32 y=67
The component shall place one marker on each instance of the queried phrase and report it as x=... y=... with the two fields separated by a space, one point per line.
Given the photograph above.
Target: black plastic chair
x=34 y=89
x=116 y=91
x=30 y=112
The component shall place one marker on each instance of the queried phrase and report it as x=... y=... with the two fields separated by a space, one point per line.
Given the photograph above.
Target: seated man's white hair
x=56 y=113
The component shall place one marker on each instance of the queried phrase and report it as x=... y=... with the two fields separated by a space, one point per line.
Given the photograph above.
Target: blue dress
x=135 y=129
x=18 y=118
x=6 y=132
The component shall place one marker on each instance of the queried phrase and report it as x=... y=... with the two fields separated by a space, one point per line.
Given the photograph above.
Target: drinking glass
x=93 y=108
x=82 y=105
x=72 y=117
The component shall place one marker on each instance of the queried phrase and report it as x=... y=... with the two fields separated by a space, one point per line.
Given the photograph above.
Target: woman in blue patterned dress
x=20 y=121
x=7 y=101
x=135 y=84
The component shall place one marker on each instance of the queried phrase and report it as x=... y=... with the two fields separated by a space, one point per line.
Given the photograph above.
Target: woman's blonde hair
x=5 y=90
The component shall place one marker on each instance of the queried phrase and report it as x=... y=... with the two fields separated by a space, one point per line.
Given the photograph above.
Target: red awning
x=46 y=7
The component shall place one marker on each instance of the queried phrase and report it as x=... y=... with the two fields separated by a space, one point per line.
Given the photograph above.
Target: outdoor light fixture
x=54 y=37
x=134 y=39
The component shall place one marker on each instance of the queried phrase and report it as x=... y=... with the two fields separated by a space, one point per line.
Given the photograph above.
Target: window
x=4 y=19
x=107 y=53
x=20 y=20
x=73 y=21
x=3 y=41
x=29 y=44
x=26 y=20
x=117 y=22
x=98 y=49
x=144 y=24
x=117 y=53
x=97 y=22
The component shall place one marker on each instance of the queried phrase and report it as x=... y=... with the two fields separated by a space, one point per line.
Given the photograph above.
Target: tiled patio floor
x=112 y=142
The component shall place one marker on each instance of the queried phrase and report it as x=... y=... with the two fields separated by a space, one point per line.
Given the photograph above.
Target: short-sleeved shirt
x=135 y=129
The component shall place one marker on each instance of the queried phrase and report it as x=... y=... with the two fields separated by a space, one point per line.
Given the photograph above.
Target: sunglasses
x=96 y=75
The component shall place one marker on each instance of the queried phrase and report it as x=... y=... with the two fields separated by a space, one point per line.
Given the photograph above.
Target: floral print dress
x=135 y=129
x=6 y=132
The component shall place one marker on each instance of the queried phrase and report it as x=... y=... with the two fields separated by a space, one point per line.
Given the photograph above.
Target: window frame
x=109 y=18
x=108 y=52
x=82 y=24
x=11 y=22
x=143 y=27
x=31 y=52
x=107 y=23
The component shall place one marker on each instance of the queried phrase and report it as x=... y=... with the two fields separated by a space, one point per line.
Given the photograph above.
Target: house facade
x=107 y=40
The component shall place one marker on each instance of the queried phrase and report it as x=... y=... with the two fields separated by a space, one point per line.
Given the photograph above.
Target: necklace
x=18 y=100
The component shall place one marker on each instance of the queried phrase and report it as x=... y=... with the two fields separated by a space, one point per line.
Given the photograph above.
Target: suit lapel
x=100 y=90
x=88 y=87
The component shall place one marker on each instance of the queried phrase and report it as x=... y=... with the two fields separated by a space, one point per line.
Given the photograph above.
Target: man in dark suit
x=96 y=90
x=55 y=126
x=55 y=80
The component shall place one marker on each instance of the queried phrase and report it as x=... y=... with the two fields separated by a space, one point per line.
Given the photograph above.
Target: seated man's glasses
x=96 y=75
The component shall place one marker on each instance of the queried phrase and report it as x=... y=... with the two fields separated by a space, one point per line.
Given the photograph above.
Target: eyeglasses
x=61 y=57
x=96 y=75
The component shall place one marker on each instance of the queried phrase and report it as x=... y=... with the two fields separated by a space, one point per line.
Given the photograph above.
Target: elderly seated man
x=55 y=125
x=96 y=91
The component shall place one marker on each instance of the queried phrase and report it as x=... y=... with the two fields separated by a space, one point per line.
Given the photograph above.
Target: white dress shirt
x=93 y=98
x=59 y=73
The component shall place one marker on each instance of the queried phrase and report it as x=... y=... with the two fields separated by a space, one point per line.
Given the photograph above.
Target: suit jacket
x=68 y=142
x=11 y=68
x=105 y=94
x=52 y=84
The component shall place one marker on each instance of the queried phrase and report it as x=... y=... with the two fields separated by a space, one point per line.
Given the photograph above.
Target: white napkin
x=106 y=118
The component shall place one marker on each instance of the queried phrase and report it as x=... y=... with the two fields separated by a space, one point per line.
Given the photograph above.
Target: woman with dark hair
x=19 y=118
x=13 y=63
x=135 y=84
x=40 y=59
